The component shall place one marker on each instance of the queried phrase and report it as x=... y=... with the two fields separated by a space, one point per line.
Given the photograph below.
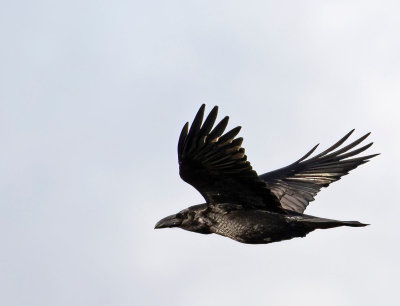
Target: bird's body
x=244 y=206
x=255 y=226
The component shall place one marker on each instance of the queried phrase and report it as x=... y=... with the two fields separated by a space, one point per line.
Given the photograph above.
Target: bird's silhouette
x=245 y=206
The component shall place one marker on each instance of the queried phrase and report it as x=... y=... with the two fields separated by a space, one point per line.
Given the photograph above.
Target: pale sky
x=93 y=95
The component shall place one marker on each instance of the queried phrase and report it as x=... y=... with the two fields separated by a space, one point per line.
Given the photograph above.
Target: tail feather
x=322 y=223
x=353 y=223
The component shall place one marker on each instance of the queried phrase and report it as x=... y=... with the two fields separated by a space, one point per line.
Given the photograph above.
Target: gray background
x=93 y=95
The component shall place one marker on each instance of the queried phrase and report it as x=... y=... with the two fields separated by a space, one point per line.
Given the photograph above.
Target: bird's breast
x=250 y=226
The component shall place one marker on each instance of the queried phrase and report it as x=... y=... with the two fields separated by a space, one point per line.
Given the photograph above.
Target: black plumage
x=245 y=206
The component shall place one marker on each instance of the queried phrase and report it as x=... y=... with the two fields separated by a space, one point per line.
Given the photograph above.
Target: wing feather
x=216 y=165
x=297 y=184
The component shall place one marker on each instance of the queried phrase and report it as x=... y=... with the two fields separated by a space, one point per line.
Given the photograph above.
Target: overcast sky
x=93 y=95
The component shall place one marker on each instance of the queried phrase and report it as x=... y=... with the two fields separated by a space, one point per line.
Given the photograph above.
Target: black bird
x=253 y=208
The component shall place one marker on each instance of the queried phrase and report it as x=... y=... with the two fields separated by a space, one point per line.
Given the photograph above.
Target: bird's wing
x=297 y=184
x=216 y=165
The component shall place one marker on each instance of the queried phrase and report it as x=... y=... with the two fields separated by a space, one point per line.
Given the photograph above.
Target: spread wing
x=297 y=184
x=216 y=165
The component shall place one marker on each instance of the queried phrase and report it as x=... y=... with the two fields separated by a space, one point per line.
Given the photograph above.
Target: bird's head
x=190 y=219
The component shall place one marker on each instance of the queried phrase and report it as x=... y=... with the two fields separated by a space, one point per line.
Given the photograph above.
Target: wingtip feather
x=219 y=129
x=182 y=137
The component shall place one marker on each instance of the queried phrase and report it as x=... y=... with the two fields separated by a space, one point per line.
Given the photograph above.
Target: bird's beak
x=170 y=221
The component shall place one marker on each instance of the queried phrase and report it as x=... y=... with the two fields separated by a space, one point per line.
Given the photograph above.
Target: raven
x=245 y=206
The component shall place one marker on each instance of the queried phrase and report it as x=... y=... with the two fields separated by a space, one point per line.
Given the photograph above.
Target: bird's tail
x=353 y=223
x=323 y=223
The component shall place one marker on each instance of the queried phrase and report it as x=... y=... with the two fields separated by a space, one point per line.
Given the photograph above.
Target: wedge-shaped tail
x=312 y=222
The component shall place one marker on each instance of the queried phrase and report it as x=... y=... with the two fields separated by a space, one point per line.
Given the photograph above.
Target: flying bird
x=245 y=206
